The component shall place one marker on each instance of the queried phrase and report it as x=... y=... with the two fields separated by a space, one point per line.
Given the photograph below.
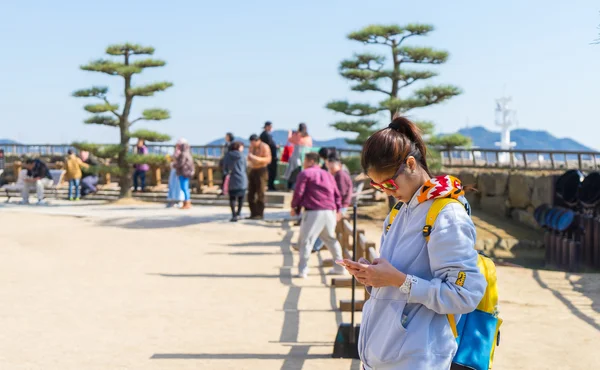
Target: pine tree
x=108 y=114
x=370 y=73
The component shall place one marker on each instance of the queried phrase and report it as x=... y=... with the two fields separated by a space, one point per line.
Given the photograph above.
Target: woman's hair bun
x=399 y=122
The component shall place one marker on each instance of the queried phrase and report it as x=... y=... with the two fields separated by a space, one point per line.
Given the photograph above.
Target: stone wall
x=509 y=194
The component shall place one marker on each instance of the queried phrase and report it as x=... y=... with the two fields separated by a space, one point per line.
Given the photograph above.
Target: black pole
x=354 y=238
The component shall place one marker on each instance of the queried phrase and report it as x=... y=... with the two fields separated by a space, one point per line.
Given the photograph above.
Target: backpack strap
x=434 y=211
x=393 y=214
x=432 y=214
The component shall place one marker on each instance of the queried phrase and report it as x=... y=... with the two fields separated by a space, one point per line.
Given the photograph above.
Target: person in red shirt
x=316 y=191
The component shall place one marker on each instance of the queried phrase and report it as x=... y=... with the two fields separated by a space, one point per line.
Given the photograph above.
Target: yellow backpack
x=477 y=333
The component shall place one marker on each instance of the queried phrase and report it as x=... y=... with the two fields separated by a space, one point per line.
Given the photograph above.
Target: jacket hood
x=235 y=154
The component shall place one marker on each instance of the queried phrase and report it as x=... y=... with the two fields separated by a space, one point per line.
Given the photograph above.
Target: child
x=73 y=173
x=234 y=166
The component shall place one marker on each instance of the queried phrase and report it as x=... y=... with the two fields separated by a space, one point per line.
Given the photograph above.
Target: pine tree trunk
x=125 y=181
x=125 y=169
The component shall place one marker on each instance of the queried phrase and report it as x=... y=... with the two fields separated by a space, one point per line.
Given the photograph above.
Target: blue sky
x=236 y=64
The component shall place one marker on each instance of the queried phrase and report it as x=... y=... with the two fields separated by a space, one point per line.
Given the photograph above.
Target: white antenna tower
x=505 y=118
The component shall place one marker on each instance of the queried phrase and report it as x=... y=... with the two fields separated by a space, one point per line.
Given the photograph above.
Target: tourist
x=229 y=138
x=316 y=193
x=415 y=283
x=235 y=167
x=226 y=145
x=342 y=179
x=184 y=165
x=302 y=143
x=259 y=158
x=73 y=173
x=139 y=175
x=38 y=176
x=174 y=195
x=267 y=138
x=89 y=173
x=324 y=154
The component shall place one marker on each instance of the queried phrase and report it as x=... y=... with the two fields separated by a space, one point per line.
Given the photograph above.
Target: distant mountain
x=280 y=137
x=7 y=142
x=525 y=139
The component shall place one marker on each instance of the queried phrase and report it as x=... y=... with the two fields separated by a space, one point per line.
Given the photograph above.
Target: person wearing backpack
x=184 y=166
x=427 y=276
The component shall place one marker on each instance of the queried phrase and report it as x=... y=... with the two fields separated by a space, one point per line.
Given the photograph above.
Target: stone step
x=272 y=199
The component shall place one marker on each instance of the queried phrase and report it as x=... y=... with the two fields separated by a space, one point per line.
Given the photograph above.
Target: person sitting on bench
x=38 y=176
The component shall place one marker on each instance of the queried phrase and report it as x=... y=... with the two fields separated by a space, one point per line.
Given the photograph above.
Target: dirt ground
x=146 y=288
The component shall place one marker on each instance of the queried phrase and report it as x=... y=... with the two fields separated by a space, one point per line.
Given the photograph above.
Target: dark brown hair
x=236 y=145
x=388 y=148
x=303 y=130
x=312 y=156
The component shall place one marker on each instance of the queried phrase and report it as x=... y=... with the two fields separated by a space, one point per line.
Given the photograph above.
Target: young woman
x=175 y=195
x=139 y=175
x=415 y=283
x=184 y=165
x=235 y=167
x=302 y=143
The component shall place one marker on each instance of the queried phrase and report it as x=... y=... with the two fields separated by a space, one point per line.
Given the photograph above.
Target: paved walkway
x=142 y=287
x=101 y=287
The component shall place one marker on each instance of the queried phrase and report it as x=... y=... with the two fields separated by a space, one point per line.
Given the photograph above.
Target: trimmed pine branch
x=377 y=34
x=426 y=127
x=150 y=136
x=389 y=34
x=149 y=90
x=363 y=128
x=358 y=109
x=155 y=114
x=148 y=63
x=129 y=49
x=410 y=77
x=111 y=68
x=94 y=92
x=369 y=86
x=113 y=170
x=105 y=151
x=101 y=108
x=102 y=120
x=421 y=55
x=416 y=29
x=437 y=94
x=450 y=141
x=150 y=159
x=363 y=61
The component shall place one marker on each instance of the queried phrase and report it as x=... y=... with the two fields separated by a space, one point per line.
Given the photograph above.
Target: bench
x=17 y=187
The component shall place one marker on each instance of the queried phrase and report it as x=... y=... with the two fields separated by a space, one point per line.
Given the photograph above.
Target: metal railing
x=206 y=151
x=520 y=159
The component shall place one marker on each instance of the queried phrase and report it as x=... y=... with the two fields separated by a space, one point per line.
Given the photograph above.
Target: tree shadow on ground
x=161 y=222
x=587 y=285
x=299 y=351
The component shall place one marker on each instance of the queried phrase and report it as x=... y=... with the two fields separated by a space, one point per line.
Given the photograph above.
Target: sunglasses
x=388 y=184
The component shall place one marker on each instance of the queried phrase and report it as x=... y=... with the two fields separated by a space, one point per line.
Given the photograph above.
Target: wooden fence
x=364 y=248
x=520 y=159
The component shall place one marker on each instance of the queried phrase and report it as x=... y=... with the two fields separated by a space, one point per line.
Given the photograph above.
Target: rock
x=543 y=191
x=468 y=178
x=520 y=188
x=474 y=199
x=494 y=205
x=525 y=218
x=492 y=183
